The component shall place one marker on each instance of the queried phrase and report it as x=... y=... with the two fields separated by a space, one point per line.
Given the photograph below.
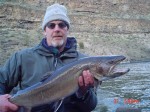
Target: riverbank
x=100 y=27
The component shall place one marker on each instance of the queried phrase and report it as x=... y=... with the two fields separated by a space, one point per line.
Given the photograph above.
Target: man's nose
x=57 y=28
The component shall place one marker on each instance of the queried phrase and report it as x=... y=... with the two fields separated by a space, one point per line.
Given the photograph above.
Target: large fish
x=64 y=81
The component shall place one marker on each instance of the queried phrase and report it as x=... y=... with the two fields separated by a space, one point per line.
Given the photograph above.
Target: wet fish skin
x=64 y=81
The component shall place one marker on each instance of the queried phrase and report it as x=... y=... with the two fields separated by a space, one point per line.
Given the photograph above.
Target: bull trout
x=64 y=81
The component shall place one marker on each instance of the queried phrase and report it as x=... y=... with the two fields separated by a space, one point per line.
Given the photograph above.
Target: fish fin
x=46 y=75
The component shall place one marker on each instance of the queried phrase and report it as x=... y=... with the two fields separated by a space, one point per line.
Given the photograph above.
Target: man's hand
x=85 y=82
x=5 y=105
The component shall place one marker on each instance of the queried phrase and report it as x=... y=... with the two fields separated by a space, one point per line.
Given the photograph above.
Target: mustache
x=58 y=34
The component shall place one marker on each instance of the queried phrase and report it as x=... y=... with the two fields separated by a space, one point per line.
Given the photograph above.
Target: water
x=130 y=90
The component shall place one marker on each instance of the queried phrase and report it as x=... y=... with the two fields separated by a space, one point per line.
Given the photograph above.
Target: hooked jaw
x=113 y=63
x=113 y=71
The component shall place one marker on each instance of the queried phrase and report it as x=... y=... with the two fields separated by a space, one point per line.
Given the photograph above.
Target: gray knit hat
x=55 y=12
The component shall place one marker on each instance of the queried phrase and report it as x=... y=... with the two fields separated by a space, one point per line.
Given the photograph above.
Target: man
x=28 y=66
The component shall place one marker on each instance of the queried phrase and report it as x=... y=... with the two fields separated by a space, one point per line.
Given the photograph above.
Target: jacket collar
x=51 y=49
x=69 y=50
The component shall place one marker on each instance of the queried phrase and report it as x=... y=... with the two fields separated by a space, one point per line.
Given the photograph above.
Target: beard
x=56 y=43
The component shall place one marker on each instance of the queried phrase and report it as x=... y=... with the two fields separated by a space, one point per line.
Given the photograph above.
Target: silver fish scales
x=64 y=81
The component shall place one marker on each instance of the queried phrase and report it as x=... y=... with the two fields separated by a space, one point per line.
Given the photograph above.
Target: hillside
x=102 y=27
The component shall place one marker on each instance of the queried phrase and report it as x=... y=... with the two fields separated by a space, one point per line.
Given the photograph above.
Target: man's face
x=56 y=33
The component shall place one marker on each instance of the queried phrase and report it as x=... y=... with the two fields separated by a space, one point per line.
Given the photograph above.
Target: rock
x=105 y=27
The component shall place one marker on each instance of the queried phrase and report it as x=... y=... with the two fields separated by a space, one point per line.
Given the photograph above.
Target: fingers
x=85 y=81
x=5 y=105
x=87 y=78
x=81 y=81
x=13 y=107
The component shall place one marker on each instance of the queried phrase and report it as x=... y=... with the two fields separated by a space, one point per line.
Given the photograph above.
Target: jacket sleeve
x=9 y=74
x=88 y=103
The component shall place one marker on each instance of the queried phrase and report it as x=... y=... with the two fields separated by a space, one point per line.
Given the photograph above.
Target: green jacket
x=28 y=66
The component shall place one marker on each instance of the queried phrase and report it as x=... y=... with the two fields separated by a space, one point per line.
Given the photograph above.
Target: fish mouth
x=114 y=63
x=118 y=72
x=117 y=69
x=112 y=68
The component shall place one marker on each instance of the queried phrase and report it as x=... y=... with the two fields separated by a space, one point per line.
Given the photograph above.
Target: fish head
x=106 y=67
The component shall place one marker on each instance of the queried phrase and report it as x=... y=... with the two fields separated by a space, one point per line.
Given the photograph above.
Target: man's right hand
x=5 y=105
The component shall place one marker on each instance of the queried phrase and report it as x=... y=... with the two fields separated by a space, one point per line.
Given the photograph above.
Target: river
x=131 y=90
